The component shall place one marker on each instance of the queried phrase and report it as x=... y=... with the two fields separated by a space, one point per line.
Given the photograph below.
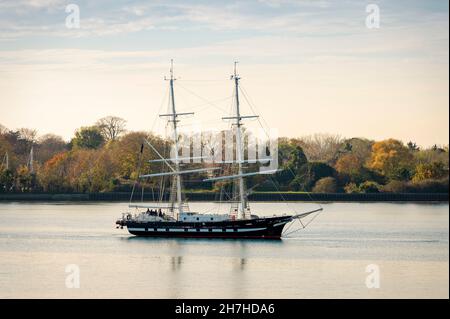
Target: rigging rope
x=138 y=172
x=198 y=96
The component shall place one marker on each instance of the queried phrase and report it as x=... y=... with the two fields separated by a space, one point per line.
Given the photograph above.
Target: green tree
x=291 y=164
x=369 y=187
x=309 y=174
x=412 y=146
x=88 y=137
x=6 y=180
x=297 y=159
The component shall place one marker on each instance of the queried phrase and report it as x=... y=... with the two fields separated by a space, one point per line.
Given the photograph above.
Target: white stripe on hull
x=279 y=224
x=206 y=230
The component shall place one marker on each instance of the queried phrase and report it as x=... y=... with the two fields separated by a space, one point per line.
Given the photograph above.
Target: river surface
x=350 y=250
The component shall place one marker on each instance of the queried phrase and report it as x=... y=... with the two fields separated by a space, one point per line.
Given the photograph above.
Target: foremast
x=174 y=170
x=242 y=192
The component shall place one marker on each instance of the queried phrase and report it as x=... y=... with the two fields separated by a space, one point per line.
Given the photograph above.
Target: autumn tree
x=25 y=180
x=351 y=188
x=52 y=175
x=392 y=159
x=91 y=170
x=79 y=169
x=127 y=152
x=47 y=146
x=435 y=170
x=349 y=165
x=325 y=185
x=351 y=170
x=18 y=146
x=432 y=155
x=111 y=127
x=359 y=147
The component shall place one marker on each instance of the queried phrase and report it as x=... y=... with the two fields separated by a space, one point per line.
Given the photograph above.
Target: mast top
x=172 y=78
x=235 y=75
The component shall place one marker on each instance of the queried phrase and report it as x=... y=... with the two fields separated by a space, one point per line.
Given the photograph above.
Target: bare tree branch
x=111 y=127
x=321 y=147
x=28 y=134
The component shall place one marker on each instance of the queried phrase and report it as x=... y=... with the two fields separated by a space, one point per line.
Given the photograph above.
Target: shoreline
x=212 y=196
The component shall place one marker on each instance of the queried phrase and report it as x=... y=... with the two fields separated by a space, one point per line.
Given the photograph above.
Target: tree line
x=105 y=157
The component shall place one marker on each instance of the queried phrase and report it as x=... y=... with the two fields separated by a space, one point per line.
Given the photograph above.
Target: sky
x=307 y=66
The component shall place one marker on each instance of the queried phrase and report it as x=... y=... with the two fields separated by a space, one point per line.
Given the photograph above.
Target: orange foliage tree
x=392 y=159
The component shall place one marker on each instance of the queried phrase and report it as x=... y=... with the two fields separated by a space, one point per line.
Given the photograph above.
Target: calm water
x=407 y=242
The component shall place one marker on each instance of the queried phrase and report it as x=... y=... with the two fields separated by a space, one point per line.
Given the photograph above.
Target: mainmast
x=240 y=157
x=243 y=205
x=175 y=137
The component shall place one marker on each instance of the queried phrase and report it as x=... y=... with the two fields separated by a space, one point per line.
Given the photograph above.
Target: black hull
x=261 y=228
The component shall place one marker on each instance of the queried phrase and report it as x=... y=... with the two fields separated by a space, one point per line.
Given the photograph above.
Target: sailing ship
x=176 y=220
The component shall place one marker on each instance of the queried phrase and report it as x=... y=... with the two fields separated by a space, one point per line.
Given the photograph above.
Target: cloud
x=27 y=7
x=306 y=3
x=294 y=18
x=401 y=45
